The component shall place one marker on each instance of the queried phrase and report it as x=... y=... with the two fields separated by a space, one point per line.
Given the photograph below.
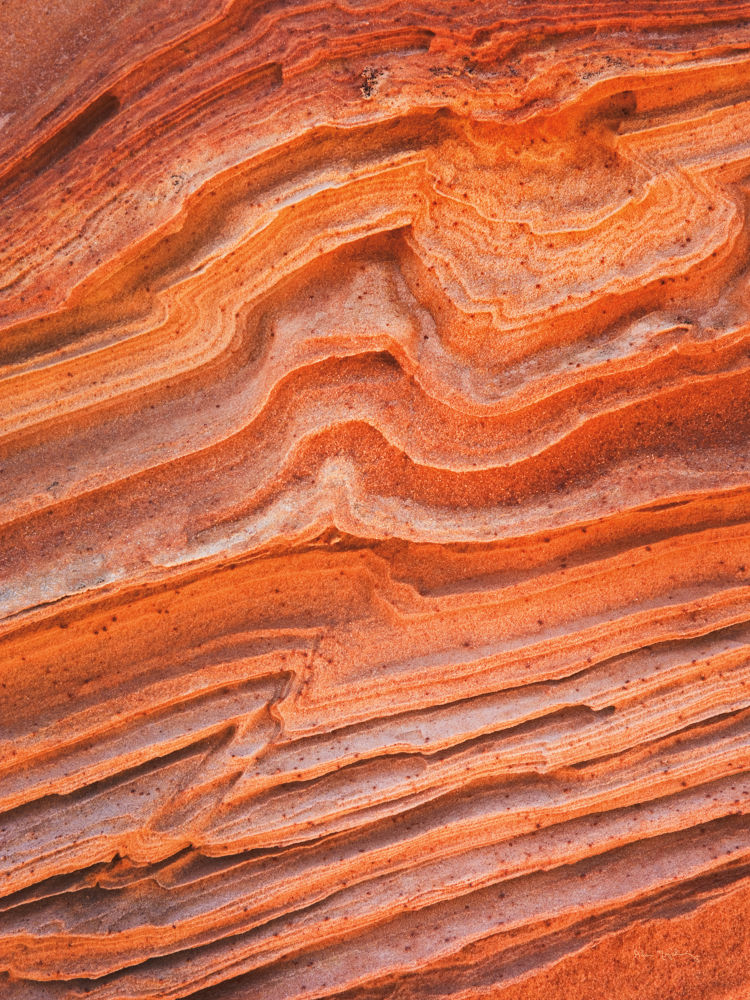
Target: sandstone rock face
x=374 y=500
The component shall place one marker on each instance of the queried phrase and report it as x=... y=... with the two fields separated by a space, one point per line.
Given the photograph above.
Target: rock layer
x=374 y=495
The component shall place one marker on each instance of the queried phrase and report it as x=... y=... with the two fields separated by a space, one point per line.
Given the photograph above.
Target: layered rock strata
x=374 y=500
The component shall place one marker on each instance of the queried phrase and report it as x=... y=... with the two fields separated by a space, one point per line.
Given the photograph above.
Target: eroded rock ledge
x=374 y=495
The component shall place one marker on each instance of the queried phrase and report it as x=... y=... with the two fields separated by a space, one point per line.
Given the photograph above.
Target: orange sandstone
x=374 y=500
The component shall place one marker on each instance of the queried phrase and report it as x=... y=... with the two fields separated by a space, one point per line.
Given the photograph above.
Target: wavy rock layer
x=374 y=500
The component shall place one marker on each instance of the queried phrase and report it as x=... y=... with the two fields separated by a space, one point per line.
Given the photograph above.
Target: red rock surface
x=374 y=500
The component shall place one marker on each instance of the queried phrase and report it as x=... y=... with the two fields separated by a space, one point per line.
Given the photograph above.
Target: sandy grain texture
x=374 y=500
